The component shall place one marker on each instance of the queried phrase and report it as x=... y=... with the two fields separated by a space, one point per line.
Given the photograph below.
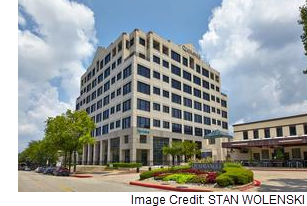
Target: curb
x=82 y=176
x=276 y=170
x=255 y=183
x=168 y=187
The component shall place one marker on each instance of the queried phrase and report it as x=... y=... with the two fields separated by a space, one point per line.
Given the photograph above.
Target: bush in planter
x=126 y=165
x=238 y=176
x=224 y=180
x=193 y=171
x=179 y=178
x=211 y=177
x=201 y=179
x=160 y=176
x=233 y=164
x=176 y=168
x=151 y=173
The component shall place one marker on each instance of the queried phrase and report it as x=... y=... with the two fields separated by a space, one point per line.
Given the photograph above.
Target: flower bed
x=232 y=174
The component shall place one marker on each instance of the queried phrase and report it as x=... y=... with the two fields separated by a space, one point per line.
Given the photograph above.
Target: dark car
x=61 y=171
x=49 y=171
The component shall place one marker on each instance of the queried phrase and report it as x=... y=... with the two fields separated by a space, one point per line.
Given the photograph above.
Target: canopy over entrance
x=270 y=142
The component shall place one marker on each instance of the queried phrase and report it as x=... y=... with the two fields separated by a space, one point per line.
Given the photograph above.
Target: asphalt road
x=34 y=182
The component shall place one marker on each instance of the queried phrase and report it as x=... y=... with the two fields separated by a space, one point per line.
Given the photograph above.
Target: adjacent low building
x=144 y=92
x=272 y=142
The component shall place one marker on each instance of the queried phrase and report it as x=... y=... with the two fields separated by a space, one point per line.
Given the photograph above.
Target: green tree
x=69 y=132
x=79 y=132
x=38 y=153
x=173 y=150
x=190 y=149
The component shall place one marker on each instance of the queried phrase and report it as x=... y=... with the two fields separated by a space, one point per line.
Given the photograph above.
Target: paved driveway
x=281 y=181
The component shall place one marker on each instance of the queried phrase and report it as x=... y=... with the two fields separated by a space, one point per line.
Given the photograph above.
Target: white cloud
x=21 y=19
x=53 y=45
x=257 y=47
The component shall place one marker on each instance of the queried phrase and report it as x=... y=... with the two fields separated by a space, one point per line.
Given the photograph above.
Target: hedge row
x=125 y=165
x=149 y=174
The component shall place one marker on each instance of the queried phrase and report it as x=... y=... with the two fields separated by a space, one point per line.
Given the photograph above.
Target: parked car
x=48 y=170
x=27 y=168
x=22 y=166
x=40 y=169
x=61 y=171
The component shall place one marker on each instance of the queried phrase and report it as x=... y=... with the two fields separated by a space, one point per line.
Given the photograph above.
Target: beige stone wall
x=298 y=121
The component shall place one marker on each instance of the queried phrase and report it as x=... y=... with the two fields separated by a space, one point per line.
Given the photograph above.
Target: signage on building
x=190 y=52
x=143 y=131
x=215 y=167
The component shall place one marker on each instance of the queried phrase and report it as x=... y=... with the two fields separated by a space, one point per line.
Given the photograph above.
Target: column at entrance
x=101 y=153
x=84 y=152
x=109 y=151
x=94 y=154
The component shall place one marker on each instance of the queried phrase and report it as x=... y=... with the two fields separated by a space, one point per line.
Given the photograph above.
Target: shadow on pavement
x=284 y=185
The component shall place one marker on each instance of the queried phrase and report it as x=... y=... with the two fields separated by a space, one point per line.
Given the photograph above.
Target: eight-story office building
x=143 y=92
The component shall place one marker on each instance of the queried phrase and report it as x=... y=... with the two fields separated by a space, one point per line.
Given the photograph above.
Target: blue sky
x=259 y=60
x=181 y=21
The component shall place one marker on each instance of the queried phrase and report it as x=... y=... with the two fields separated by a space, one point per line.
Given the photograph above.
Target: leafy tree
x=69 y=132
x=173 y=150
x=80 y=127
x=38 y=153
x=189 y=149
x=186 y=148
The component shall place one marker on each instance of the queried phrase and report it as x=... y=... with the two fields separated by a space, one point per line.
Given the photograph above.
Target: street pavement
x=34 y=182
x=271 y=181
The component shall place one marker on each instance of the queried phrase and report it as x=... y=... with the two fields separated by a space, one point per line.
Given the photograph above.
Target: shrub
x=126 y=165
x=211 y=177
x=193 y=171
x=179 y=178
x=149 y=174
x=232 y=164
x=238 y=176
x=183 y=167
x=201 y=179
x=160 y=176
x=224 y=180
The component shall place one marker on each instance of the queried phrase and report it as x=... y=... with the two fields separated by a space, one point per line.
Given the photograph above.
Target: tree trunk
x=64 y=162
x=75 y=161
x=69 y=161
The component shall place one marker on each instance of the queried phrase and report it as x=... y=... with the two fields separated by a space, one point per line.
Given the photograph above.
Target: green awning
x=217 y=134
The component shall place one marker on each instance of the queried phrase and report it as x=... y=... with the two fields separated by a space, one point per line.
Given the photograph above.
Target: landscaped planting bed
x=232 y=174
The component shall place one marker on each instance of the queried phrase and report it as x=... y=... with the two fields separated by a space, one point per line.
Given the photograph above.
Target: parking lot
x=29 y=181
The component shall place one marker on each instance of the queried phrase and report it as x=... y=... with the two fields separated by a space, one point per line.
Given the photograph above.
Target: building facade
x=281 y=140
x=143 y=92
